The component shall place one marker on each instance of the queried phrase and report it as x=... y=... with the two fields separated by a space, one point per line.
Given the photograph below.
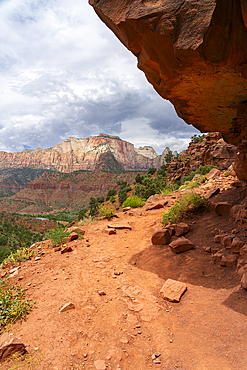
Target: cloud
x=63 y=73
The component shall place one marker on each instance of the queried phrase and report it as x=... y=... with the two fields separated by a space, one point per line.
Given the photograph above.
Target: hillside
x=56 y=191
x=13 y=180
x=118 y=317
x=100 y=152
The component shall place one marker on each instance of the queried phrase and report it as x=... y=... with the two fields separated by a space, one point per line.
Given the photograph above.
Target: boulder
x=236 y=245
x=223 y=208
x=212 y=174
x=180 y=46
x=239 y=213
x=244 y=281
x=171 y=229
x=154 y=205
x=211 y=193
x=9 y=346
x=173 y=290
x=226 y=241
x=228 y=261
x=181 y=245
x=217 y=256
x=181 y=229
x=161 y=237
x=243 y=252
x=217 y=238
x=72 y=236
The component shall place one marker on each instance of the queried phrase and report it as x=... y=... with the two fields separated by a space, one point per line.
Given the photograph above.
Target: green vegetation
x=82 y=214
x=134 y=202
x=197 y=138
x=123 y=190
x=151 y=171
x=147 y=185
x=168 y=156
x=202 y=170
x=57 y=235
x=111 y=193
x=227 y=173
x=14 y=236
x=184 y=206
x=13 y=305
x=20 y=255
x=106 y=211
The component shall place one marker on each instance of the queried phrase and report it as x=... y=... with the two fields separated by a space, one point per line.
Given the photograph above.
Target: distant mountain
x=102 y=152
x=13 y=180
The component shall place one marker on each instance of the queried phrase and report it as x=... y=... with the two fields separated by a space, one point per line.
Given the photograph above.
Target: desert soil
x=120 y=320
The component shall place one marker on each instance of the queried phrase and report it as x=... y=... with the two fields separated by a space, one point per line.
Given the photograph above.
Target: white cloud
x=64 y=73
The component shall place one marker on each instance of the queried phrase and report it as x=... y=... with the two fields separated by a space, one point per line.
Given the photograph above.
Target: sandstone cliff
x=212 y=150
x=194 y=53
x=86 y=154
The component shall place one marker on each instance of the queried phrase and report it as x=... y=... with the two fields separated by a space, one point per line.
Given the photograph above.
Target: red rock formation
x=212 y=150
x=194 y=53
x=84 y=154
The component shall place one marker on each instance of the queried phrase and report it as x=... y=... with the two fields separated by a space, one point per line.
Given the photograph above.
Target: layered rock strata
x=194 y=53
x=93 y=153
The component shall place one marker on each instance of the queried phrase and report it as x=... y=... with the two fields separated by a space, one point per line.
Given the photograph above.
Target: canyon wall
x=93 y=153
x=194 y=53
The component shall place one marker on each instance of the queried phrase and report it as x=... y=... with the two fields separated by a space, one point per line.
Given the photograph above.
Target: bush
x=19 y=256
x=202 y=170
x=111 y=193
x=227 y=173
x=13 y=305
x=58 y=235
x=185 y=205
x=106 y=211
x=134 y=202
x=150 y=186
x=197 y=138
x=82 y=214
x=151 y=171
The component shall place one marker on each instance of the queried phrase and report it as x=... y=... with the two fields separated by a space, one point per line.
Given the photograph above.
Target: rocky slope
x=213 y=150
x=194 y=53
x=86 y=154
x=56 y=191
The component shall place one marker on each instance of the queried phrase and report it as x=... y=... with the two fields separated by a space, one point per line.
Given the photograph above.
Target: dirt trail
x=125 y=327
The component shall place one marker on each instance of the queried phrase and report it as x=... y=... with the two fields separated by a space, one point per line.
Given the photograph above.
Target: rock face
x=94 y=153
x=212 y=150
x=194 y=53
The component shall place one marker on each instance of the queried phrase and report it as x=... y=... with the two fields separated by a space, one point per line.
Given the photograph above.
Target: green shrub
x=197 y=138
x=13 y=305
x=19 y=256
x=82 y=214
x=58 y=235
x=113 y=200
x=106 y=211
x=185 y=205
x=202 y=170
x=227 y=173
x=151 y=170
x=134 y=202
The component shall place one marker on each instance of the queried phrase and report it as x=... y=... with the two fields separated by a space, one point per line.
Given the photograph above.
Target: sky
x=63 y=73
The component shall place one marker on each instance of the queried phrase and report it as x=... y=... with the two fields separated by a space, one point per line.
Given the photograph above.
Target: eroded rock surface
x=194 y=53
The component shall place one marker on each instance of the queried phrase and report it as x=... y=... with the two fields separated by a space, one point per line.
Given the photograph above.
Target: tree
x=168 y=156
x=151 y=171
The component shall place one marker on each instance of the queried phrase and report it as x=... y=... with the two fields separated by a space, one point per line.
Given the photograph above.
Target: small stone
x=66 y=249
x=119 y=225
x=171 y=340
x=217 y=238
x=67 y=306
x=110 y=231
x=101 y=292
x=217 y=256
x=37 y=258
x=124 y=340
x=207 y=249
x=100 y=365
x=57 y=249
x=173 y=290
x=157 y=361
x=243 y=252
